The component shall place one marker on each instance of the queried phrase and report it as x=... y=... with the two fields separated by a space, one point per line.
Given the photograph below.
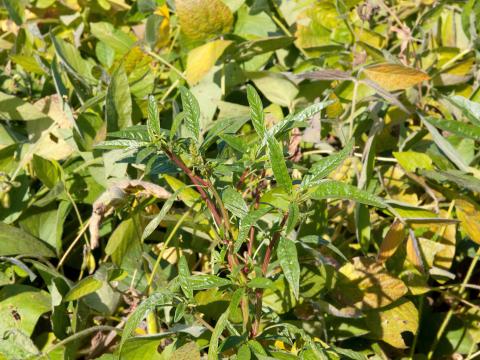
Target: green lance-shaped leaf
x=234 y=202
x=331 y=189
x=153 y=119
x=325 y=166
x=256 y=111
x=446 y=147
x=222 y=323
x=288 y=258
x=184 y=274
x=156 y=299
x=247 y=222
x=456 y=127
x=279 y=167
x=469 y=108
x=192 y=113
x=204 y=282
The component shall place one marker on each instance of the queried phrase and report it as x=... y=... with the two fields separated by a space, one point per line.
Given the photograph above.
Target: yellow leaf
x=366 y=284
x=200 y=19
x=469 y=216
x=393 y=239
x=201 y=59
x=335 y=109
x=187 y=194
x=395 y=77
x=390 y=324
x=189 y=351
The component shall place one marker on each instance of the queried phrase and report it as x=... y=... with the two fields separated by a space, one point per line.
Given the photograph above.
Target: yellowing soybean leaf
x=390 y=324
x=189 y=351
x=395 y=77
x=366 y=284
x=412 y=160
x=469 y=216
x=393 y=239
x=201 y=59
x=187 y=195
x=200 y=19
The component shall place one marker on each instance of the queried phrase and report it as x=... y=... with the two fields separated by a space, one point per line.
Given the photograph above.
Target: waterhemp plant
x=243 y=199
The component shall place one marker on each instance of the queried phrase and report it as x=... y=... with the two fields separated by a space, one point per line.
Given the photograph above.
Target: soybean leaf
x=288 y=259
x=14 y=241
x=84 y=287
x=395 y=77
x=256 y=111
x=118 y=105
x=331 y=189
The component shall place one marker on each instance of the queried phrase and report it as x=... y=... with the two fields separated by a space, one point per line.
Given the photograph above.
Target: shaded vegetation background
x=313 y=195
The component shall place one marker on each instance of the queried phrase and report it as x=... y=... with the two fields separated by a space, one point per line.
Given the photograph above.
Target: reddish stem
x=242 y=178
x=199 y=183
x=266 y=262
x=275 y=238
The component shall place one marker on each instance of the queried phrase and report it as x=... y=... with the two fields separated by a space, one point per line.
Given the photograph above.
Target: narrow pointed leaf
x=288 y=258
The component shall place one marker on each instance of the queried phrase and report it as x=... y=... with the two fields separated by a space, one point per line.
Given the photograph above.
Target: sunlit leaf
x=395 y=77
